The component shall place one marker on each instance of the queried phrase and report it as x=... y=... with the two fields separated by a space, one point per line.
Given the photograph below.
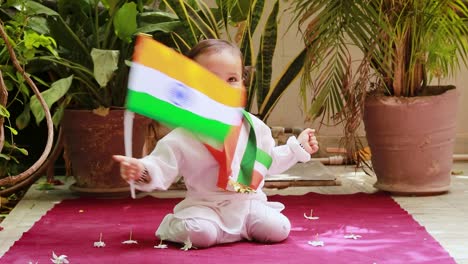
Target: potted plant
x=403 y=44
x=95 y=43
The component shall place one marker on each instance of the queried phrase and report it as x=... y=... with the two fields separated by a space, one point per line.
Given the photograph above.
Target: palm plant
x=404 y=44
x=238 y=21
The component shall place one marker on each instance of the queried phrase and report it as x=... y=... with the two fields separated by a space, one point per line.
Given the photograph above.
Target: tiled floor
x=444 y=216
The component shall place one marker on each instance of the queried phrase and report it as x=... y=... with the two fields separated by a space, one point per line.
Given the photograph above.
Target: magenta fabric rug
x=388 y=234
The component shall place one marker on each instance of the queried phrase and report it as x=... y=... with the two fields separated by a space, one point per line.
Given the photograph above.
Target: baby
x=216 y=208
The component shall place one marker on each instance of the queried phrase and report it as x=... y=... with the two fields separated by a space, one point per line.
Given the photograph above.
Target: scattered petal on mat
x=161 y=245
x=99 y=243
x=130 y=240
x=316 y=242
x=1 y=228
x=187 y=245
x=311 y=217
x=62 y=259
x=352 y=236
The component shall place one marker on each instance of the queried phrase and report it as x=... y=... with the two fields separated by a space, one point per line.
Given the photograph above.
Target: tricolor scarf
x=254 y=163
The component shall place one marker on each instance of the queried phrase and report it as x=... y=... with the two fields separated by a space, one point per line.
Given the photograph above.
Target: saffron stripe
x=172 y=115
x=230 y=145
x=258 y=175
x=257 y=178
x=220 y=157
x=157 y=84
x=156 y=55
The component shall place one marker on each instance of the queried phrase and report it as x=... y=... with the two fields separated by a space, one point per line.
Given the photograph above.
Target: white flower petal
x=99 y=244
x=62 y=259
x=130 y=242
x=187 y=245
x=352 y=236
x=316 y=243
x=310 y=217
x=161 y=246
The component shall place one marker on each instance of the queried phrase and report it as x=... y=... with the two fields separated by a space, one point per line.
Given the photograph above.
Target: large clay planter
x=412 y=141
x=90 y=142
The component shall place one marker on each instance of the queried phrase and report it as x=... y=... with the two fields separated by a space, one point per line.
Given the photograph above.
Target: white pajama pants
x=262 y=224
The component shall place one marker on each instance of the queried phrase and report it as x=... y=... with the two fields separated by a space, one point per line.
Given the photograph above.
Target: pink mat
x=388 y=234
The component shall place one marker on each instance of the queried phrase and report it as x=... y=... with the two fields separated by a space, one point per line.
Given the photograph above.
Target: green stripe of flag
x=172 y=115
x=248 y=159
x=264 y=158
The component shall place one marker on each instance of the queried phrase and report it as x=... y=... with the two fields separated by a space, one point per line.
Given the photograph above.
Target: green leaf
x=179 y=8
x=4 y=112
x=265 y=56
x=24 y=89
x=252 y=23
x=166 y=27
x=289 y=75
x=111 y=5
x=239 y=10
x=23 y=119
x=156 y=17
x=35 y=8
x=56 y=91
x=105 y=63
x=6 y=157
x=9 y=85
x=12 y=130
x=58 y=115
x=22 y=150
x=125 y=22
x=39 y=25
x=209 y=18
x=34 y=40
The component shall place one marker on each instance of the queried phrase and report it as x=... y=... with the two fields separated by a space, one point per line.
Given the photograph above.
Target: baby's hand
x=308 y=140
x=130 y=168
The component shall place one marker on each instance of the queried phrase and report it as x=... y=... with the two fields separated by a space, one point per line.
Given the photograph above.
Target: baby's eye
x=232 y=80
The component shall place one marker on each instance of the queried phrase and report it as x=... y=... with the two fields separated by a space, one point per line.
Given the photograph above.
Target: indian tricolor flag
x=169 y=87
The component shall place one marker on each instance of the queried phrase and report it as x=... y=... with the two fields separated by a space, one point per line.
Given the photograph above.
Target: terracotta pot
x=412 y=141
x=90 y=142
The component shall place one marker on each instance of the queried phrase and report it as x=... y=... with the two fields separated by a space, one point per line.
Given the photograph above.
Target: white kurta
x=180 y=153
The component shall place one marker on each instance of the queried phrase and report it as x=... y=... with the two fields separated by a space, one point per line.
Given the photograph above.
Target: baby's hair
x=212 y=45
x=217 y=45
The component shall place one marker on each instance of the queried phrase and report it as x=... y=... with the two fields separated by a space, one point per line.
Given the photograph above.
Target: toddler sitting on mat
x=224 y=200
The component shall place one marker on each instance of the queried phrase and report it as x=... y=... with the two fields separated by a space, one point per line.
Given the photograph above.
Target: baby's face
x=225 y=64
